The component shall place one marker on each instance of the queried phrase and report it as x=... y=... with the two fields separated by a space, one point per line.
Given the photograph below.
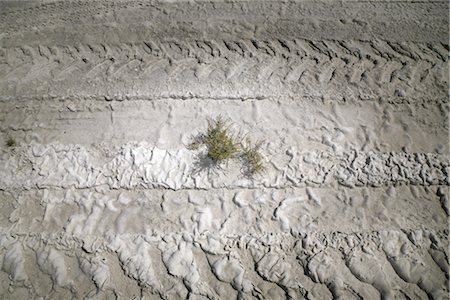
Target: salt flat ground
x=101 y=199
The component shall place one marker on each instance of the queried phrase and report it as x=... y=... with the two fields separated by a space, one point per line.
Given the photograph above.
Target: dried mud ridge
x=100 y=199
x=137 y=166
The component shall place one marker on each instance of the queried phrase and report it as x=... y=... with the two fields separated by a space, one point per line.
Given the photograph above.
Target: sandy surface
x=101 y=199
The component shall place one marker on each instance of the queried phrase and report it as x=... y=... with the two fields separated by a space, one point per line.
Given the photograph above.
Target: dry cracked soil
x=100 y=197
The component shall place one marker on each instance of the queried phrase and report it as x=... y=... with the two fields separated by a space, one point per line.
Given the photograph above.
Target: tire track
x=381 y=72
x=153 y=265
x=102 y=212
x=288 y=19
x=313 y=124
x=353 y=97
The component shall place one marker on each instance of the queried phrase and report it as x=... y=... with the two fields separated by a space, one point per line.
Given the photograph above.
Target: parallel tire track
x=354 y=202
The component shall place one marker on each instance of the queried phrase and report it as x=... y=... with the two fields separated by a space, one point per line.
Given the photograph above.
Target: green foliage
x=252 y=157
x=218 y=139
x=222 y=144
x=10 y=142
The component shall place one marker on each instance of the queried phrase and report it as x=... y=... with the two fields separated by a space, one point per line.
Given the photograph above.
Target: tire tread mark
x=327 y=61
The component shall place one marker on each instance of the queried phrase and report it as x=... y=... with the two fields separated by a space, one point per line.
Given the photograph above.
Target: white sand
x=101 y=199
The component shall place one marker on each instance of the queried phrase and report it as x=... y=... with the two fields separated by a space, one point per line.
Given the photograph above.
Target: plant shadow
x=246 y=169
x=205 y=164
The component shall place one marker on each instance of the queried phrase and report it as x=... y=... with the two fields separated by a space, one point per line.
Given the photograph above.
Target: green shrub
x=253 y=158
x=223 y=144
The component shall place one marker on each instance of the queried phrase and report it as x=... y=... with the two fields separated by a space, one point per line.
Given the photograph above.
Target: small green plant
x=252 y=157
x=11 y=142
x=222 y=144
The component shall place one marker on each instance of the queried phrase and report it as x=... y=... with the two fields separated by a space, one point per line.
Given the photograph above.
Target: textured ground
x=100 y=199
